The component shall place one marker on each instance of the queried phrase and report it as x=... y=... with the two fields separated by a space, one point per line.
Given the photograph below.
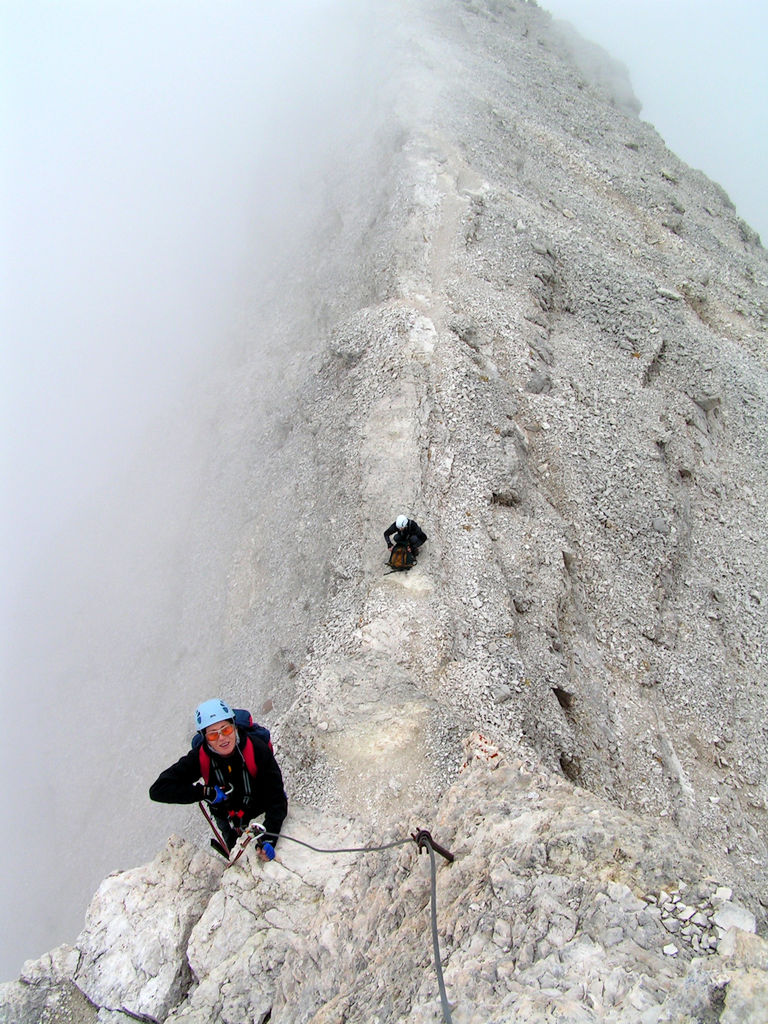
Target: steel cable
x=435 y=943
x=343 y=849
x=422 y=839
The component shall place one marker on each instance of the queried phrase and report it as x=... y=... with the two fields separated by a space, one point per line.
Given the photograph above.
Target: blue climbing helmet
x=210 y=711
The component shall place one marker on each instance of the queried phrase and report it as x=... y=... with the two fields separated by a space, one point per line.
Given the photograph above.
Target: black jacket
x=413 y=534
x=260 y=794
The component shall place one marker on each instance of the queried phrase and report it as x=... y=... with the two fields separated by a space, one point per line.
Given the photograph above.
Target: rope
x=209 y=819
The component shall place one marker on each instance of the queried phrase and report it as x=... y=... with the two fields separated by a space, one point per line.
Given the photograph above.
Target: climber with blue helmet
x=405 y=531
x=231 y=768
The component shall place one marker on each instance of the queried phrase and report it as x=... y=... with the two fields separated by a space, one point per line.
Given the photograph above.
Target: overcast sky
x=159 y=160
x=700 y=70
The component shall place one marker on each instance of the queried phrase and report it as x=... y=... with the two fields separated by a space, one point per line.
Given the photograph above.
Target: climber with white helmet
x=231 y=768
x=405 y=531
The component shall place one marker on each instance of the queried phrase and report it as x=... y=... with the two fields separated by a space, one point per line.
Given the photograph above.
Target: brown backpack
x=401 y=558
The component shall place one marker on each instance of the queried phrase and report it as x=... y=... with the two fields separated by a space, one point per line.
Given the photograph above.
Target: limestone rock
x=536 y=913
x=730 y=915
x=45 y=992
x=133 y=947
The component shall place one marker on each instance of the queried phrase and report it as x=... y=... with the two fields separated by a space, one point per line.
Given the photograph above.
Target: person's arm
x=179 y=784
x=418 y=535
x=388 y=533
x=272 y=790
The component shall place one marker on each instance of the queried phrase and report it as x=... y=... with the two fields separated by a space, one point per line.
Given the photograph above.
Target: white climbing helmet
x=401 y=522
x=210 y=711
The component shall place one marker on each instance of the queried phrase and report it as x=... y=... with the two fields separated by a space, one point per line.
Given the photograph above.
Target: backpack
x=245 y=723
x=401 y=558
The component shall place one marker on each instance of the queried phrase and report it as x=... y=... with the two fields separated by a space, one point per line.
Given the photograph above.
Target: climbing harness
x=252 y=831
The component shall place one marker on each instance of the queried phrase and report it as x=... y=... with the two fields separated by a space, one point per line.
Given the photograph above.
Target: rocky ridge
x=550 y=349
x=556 y=902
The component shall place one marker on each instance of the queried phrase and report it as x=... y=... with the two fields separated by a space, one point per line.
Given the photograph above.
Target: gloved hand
x=216 y=794
x=266 y=851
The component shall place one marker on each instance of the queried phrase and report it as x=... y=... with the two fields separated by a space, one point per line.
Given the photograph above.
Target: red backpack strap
x=205 y=764
x=249 y=757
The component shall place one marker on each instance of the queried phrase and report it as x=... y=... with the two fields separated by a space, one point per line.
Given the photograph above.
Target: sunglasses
x=223 y=733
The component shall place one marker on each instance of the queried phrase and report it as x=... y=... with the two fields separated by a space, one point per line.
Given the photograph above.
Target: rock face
x=544 y=337
x=157 y=905
x=557 y=901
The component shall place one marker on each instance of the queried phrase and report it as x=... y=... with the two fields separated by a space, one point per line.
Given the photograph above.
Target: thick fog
x=163 y=163
x=700 y=73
